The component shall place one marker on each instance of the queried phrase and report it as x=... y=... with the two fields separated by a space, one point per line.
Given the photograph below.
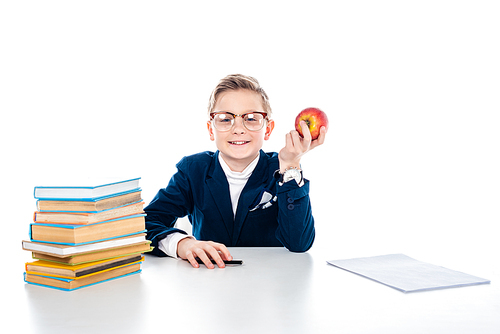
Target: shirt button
x=290 y=207
x=290 y=200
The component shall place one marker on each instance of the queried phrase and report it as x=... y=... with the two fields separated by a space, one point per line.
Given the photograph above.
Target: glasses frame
x=212 y=115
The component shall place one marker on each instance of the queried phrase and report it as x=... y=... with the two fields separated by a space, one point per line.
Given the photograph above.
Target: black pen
x=200 y=261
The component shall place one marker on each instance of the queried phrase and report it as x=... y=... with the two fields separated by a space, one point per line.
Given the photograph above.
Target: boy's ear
x=210 y=131
x=269 y=129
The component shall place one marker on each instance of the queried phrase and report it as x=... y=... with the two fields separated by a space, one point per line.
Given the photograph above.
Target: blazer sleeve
x=295 y=220
x=170 y=203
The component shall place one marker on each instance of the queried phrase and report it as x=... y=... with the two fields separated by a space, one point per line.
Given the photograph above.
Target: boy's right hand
x=189 y=249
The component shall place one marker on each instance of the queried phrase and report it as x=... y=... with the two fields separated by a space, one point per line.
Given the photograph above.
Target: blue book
x=88 y=190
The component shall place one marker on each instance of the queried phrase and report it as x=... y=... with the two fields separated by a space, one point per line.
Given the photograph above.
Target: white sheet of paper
x=406 y=274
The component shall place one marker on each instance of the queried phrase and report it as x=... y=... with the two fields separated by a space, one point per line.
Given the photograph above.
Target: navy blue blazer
x=200 y=190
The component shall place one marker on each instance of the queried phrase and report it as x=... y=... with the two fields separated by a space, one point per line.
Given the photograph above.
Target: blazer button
x=290 y=200
x=291 y=207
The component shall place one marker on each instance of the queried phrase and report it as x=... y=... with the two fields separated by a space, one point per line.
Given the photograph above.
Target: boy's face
x=239 y=146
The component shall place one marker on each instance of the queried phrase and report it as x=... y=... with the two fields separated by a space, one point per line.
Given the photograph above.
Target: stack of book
x=86 y=235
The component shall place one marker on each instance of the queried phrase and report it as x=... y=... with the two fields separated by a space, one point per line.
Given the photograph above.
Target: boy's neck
x=237 y=165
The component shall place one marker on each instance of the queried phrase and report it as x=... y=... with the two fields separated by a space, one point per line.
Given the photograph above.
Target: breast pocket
x=259 y=229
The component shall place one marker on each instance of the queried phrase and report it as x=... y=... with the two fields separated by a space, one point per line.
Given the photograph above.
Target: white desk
x=275 y=291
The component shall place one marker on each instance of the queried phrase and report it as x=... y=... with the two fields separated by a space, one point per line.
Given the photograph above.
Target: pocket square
x=264 y=200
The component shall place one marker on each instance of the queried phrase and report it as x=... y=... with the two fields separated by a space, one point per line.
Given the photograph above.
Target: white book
x=87 y=190
x=65 y=250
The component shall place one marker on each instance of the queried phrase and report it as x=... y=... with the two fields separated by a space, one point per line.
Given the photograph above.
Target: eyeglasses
x=252 y=121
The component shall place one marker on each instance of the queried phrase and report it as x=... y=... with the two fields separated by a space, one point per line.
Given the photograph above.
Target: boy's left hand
x=296 y=146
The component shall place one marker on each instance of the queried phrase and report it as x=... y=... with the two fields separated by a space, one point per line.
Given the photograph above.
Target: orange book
x=82 y=218
x=75 y=235
x=89 y=205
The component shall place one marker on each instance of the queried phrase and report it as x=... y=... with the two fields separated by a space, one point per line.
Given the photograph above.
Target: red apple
x=314 y=118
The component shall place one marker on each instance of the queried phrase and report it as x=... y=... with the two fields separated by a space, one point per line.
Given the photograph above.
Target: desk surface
x=274 y=291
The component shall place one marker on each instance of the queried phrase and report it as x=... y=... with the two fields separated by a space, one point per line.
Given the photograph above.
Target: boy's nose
x=238 y=126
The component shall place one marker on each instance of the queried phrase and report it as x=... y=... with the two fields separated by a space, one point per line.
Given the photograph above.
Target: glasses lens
x=223 y=121
x=253 y=121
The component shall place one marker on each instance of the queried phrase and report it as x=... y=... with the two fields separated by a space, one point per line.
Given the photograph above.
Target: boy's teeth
x=238 y=142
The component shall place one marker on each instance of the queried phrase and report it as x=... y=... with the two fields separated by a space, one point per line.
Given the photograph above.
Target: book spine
x=73 y=226
x=83 y=276
x=87 y=242
x=85 y=199
x=64 y=289
x=90 y=212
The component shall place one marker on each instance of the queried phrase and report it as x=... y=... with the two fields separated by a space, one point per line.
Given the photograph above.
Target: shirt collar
x=245 y=174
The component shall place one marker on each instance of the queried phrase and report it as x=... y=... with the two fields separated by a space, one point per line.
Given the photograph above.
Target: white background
x=120 y=88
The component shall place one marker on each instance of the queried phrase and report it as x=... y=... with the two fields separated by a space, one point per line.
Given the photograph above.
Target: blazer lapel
x=250 y=192
x=219 y=188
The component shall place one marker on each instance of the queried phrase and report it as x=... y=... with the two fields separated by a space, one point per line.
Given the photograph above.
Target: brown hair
x=235 y=82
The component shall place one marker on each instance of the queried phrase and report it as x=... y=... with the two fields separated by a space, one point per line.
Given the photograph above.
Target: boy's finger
x=214 y=254
x=227 y=254
x=206 y=261
x=288 y=140
x=190 y=257
x=222 y=250
x=305 y=130
x=321 y=138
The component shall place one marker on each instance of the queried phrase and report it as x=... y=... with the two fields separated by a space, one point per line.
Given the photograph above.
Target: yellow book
x=73 y=284
x=45 y=268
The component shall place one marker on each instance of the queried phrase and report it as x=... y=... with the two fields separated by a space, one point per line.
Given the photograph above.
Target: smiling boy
x=238 y=195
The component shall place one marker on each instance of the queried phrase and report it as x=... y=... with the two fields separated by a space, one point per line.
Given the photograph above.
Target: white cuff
x=168 y=245
x=292 y=174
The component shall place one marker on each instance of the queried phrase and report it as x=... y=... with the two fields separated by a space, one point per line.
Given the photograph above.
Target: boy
x=239 y=195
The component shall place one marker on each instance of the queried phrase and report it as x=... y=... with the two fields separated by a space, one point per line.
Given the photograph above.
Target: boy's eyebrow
x=263 y=113
x=232 y=113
